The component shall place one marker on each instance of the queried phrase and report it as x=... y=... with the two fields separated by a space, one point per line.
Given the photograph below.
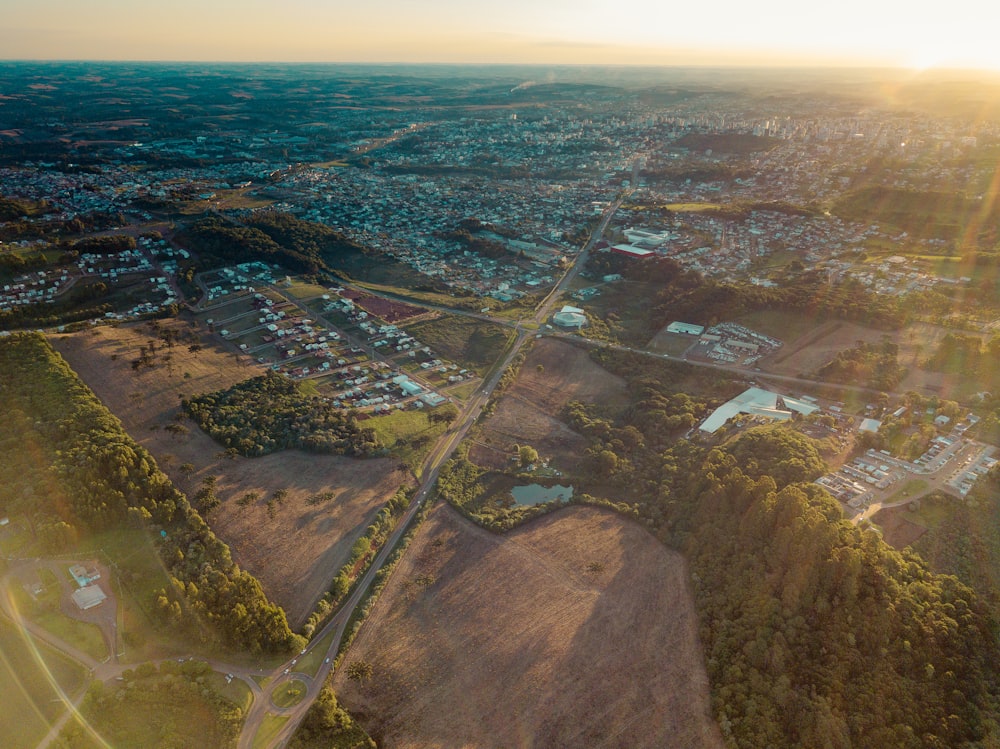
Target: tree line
x=100 y=479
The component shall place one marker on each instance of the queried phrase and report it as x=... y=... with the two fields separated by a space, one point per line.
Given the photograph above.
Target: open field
x=528 y=412
x=470 y=343
x=296 y=553
x=31 y=678
x=575 y=630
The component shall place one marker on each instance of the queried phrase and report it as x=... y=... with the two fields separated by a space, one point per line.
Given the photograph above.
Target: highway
x=429 y=470
x=279 y=677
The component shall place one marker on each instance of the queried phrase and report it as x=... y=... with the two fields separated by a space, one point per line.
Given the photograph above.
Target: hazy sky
x=957 y=33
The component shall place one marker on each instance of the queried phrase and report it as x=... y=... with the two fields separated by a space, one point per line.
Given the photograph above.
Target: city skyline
x=632 y=32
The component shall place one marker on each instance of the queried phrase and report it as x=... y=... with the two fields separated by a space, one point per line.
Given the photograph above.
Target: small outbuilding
x=870 y=425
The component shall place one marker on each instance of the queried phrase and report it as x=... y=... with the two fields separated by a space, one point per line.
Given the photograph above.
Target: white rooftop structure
x=870 y=425
x=686 y=328
x=757 y=402
x=88 y=597
x=570 y=317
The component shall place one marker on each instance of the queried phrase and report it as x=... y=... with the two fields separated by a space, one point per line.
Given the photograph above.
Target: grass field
x=311 y=661
x=81 y=635
x=785 y=326
x=269 y=729
x=673 y=344
x=931 y=512
x=289 y=694
x=148 y=712
x=463 y=391
x=574 y=630
x=31 y=679
x=624 y=306
x=236 y=691
x=471 y=343
x=407 y=434
x=301 y=290
x=911 y=488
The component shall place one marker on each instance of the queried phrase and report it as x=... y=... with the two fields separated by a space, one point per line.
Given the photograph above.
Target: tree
x=360 y=671
x=527 y=455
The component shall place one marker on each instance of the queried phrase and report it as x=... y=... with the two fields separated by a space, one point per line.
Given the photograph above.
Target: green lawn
x=289 y=694
x=674 y=344
x=911 y=488
x=471 y=343
x=268 y=730
x=82 y=635
x=236 y=691
x=301 y=290
x=407 y=434
x=463 y=391
x=311 y=661
x=31 y=678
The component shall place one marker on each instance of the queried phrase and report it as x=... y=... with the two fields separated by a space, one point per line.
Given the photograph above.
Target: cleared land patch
x=553 y=374
x=297 y=552
x=575 y=630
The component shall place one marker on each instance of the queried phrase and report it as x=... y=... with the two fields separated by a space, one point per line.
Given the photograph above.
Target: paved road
x=429 y=471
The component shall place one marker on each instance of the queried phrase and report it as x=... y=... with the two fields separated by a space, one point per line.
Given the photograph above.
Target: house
x=84 y=576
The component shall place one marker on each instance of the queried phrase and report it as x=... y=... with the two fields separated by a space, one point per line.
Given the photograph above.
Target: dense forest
x=268 y=413
x=816 y=632
x=270 y=236
x=966 y=541
x=72 y=471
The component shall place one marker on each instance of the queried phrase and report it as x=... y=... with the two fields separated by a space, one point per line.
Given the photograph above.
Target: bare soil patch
x=482 y=640
x=296 y=553
x=528 y=412
x=387 y=309
x=897 y=531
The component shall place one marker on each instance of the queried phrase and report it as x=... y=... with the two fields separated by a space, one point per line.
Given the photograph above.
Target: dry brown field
x=482 y=640
x=296 y=553
x=806 y=353
x=528 y=412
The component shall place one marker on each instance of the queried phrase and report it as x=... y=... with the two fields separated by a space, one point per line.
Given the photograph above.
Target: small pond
x=536 y=494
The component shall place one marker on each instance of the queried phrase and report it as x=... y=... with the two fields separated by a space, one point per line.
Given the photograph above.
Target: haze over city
x=852 y=33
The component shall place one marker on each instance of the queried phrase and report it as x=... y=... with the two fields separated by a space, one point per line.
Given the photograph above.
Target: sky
x=895 y=33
